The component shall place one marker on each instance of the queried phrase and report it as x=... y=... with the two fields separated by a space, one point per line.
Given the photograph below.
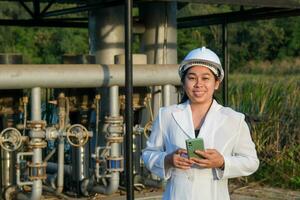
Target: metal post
x=128 y=103
x=225 y=63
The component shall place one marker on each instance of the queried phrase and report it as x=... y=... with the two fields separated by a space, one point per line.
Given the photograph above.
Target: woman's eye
x=191 y=78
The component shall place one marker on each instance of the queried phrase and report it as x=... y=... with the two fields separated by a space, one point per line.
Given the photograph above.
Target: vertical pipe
x=114 y=101
x=36 y=104
x=7 y=169
x=159 y=42
x=106 y=32
x=225 y=62
x=37 y=152
x=128 y=103
x=167 y=95
x=60 y=164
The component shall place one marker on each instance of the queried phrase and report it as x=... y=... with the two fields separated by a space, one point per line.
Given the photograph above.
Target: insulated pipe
x=106 y=31
x=85 y=75
x=37 y=189
x=159 y=42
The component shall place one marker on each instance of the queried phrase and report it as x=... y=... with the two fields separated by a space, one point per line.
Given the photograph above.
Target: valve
x=10 y=139
x=77 y=135
x=148 y=129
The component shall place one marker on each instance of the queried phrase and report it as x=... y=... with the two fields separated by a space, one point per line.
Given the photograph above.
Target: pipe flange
x=115 y=139
x=37 y=124
x=115 y=163
x=116 y=158
x=37 y=144
x=114 y=120
x=115 y=129
x=77 y=135
x=10 y=139
x=37 y=171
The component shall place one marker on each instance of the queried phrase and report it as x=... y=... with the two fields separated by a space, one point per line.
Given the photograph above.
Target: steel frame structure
x=43 y=18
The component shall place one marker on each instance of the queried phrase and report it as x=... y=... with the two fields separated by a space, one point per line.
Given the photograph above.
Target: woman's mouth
x=199 y=93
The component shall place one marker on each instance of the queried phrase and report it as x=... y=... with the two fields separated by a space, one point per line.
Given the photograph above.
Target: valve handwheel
x=77 y=135
x=10 y=139
x=148 y=129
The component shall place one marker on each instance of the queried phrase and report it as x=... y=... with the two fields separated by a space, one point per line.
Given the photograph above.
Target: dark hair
x=184 y=97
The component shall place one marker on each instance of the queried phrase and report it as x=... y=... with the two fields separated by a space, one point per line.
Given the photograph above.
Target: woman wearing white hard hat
x=229 y=150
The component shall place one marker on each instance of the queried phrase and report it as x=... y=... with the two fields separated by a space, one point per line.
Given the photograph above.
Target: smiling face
x=200 y=84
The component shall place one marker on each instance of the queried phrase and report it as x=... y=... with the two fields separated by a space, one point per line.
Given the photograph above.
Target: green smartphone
x=192 y=145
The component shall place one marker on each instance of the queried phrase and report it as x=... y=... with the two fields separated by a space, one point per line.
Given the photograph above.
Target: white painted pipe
x=84 y=75
x=37 y=187
x=60 y=166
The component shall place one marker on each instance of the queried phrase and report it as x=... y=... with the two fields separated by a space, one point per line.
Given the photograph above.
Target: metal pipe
x=225 y=63
x=86 y=75
x=36 y=192
x=111 y=187
x=18 y=172
x=7 y=169
x=52 y=168
x=114 y=108
x=114 y=178
x=60 y=164
x=166 y=95
x=128 y=100
x=159 y=42
x=36 y=103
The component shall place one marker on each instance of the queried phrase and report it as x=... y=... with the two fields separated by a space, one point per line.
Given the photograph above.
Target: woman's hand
x=179 y=159
x=211 y=159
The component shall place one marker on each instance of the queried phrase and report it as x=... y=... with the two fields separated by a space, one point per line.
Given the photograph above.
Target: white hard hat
x=204 y=57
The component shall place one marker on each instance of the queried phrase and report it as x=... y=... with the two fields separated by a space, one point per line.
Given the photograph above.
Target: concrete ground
x=250 y=192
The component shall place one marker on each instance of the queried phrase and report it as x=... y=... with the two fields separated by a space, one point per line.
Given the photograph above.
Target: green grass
x=272 y=104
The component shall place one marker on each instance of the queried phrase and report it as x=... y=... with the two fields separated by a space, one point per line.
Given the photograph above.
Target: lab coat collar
x=184 y=119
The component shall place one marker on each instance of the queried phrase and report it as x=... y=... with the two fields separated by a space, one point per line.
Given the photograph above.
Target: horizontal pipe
x=84 y=75
x=52 y=168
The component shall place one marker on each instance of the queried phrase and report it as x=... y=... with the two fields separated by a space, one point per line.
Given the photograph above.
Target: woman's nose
x=198 y=83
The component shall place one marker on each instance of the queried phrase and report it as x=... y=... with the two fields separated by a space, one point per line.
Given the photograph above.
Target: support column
x=159 y=42
x=106 y=32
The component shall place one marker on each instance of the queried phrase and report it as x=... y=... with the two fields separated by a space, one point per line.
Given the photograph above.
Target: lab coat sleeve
x=243 y=161
x=154 y=154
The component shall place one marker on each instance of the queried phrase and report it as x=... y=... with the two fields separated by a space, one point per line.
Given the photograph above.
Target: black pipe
x=225 y=63
x=128 y=101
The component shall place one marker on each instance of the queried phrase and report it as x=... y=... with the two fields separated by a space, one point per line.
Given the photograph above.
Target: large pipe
x=159 y=43
x=37 y=189
x=85 y=75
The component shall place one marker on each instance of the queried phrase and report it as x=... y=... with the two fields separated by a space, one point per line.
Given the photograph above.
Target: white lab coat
x=223 y=129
